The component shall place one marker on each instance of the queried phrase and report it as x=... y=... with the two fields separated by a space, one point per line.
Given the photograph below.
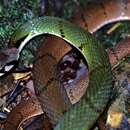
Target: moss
x=12 y=14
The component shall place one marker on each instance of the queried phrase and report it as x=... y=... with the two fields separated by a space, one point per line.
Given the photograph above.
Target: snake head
x=8 y=58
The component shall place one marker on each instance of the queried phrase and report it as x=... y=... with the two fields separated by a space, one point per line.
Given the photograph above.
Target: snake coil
x=84 y=113
x=86 y=19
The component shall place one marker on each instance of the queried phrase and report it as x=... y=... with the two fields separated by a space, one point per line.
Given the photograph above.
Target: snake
x=34 y=109
x=99 y=88
x=120 y=12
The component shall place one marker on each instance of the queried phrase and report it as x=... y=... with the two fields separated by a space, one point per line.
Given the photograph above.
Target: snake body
x=83 y=114
x=86 y=19
x=122 y=46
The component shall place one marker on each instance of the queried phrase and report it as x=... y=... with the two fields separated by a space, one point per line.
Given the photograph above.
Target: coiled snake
x=83 y=114
x=103 y=66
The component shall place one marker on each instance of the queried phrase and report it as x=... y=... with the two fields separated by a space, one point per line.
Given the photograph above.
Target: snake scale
x=83 y=114
x=120 y=12
x=36 y=110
